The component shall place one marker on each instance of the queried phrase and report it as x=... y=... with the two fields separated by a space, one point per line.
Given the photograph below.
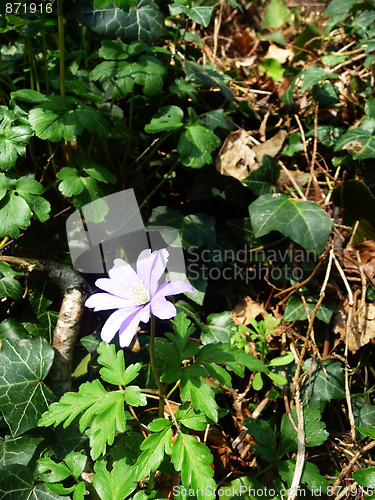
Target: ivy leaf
x=116 y=484
x=321 y=385
x=311 y=476
x=16 y=482
x=315 y=432
x=295 y=310
x=15 y=133
x=264 y=436
x=205 y=75
x=198 y=230
x=201 y=15
x=365 y=477
x=18 y=450
x=263 y=179
x=196 y=145
x=23 y=396
x=193 y=459
x=53 y=121
x=219 y=327
x=303 y=221
x=314 y=75
x=143 y=22
x=154 y=448
x=9 y=287
x=360 y=143
x=166 y=119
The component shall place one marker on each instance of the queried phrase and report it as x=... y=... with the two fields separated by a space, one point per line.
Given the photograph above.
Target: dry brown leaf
x=245 y=309
x=366 y=252
x=239 y=156
x=301 y=178
x=362 y=329
x=282 y=55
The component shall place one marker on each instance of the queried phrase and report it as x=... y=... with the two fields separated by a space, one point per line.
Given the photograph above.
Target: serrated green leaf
x=23 y=396
x=154 y=448
x=53 y=121
x=191 y=418
x=219 y=373
x=263 y=179
x=315 y=432
x=166 y=119
x=303 y=221
x=15 y=213
x=18 y=450
x=71 y=181
x=199 y=393
x=311 y=476
x=116 y=484
x=193 y=459
x=264 y=436
x=113 y=363
x=196 y=145
x=134 y=397
x=15 y=133
x=143 y=22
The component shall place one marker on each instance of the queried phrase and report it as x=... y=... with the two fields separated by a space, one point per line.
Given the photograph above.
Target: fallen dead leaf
x=366 y=252
x=362 y=329
x=239 y=155
x=245 y=309
x=282 y=55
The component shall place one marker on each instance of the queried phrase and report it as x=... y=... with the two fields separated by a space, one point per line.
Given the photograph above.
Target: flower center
x=139 y=294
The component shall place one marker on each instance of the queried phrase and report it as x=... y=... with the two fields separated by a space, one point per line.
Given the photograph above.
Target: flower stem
x=153 y=367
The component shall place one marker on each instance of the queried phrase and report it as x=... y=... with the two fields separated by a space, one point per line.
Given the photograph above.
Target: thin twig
x=300 y=449
x=292 y=180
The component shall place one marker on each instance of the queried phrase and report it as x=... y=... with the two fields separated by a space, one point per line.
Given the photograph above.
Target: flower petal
x=162 y=308
x=144 y=314
x=129 y=327
x=105 y=301
x=114 y=322
x=150 y=267
x=123 y=273
x=113 y=287
x=173 y=288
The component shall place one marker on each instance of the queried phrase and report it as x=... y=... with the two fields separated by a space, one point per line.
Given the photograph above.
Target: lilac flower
x=135 y=295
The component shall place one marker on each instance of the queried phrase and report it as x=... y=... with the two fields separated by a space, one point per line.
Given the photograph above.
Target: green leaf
x=193 y=459
x=285 y=359
x=102 y=411
x=198 y=230
x=113 y=363
x=143 y=22
x=191 y=418
x=315 y=432
x=206 y=75
x=339 y=6
x=116 y=484
x=9 y=287
x=134 y=397
x=273 y=69
x=303 y=221
x=154 y=448
x=264 y=436
x=28 y=95
x=199 y=392
x=219 y=327
x=322 y=384
x=263 y=179
x=276 y=15
x=15 y=133
x=365 y=477
x=52 y=472
x=360 y=143
x=311 y=476
x=367 y=432
x=166 y=119
x=314 y=75
x=295 y=310
x=18 y=450
x=23 y=396
x=53 y=121
x=95 y=170
x=201 y=15
x=71 y=181
x=246 y=488
x=196 y=145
